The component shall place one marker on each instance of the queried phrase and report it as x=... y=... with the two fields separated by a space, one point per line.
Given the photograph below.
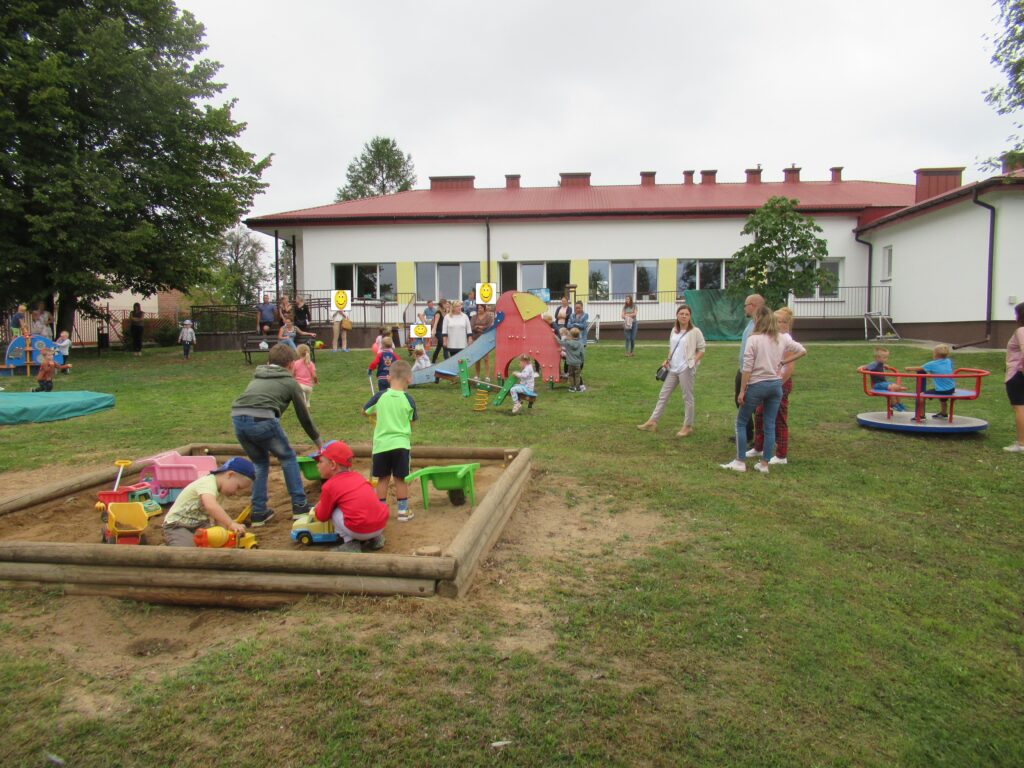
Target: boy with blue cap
x=199 y=503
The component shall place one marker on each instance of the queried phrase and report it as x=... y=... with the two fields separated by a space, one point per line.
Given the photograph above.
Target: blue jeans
x=630 y=335
x=260 y=438
x=769 y=394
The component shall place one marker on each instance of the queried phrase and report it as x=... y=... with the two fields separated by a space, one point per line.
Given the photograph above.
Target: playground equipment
x=456 y=479
x=140 y=492
x=18 y=361
x=218 y=537
x=519 y=328
x=168 y=473
x=917 y=420
x=308 y=530
x=125 y=524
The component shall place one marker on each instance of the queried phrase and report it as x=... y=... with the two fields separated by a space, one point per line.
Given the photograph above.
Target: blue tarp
x=28 y=407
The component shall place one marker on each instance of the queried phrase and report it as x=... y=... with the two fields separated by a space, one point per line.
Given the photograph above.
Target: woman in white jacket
x=686 y=348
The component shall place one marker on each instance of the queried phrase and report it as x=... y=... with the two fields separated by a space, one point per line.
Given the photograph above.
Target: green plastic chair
x=456 y=479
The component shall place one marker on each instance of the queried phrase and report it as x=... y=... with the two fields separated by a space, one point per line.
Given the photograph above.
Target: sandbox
x=47 y=535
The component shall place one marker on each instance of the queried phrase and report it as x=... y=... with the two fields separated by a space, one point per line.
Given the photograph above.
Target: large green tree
x=785 y=256
x=1009 y=57
x=118 y=170
x=380 y=169
x=239 y=271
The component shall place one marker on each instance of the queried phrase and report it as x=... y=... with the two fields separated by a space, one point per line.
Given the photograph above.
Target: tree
x=117 y=169
x=1009 y=57
x=785 y=256
x=239 y=272
x=381 y=169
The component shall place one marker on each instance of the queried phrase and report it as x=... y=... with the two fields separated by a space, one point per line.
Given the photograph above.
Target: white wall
x=1008 y=275
x=939 y=262
x=321 y=247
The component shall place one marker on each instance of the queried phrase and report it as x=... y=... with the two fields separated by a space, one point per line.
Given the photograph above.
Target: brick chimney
x=935 y=181
x=511 y=181
x=791 y=175
x=754 y=175
x=837 y=173
x=647 y=178
x=452 y=182
x=687 y=177
x=708 y=177
x=574 y=179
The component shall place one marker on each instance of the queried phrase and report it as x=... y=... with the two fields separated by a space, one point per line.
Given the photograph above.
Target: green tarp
x=28 y=407
x=719 y=317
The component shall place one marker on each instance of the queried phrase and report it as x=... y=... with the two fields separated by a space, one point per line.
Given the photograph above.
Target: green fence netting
x=719 y=317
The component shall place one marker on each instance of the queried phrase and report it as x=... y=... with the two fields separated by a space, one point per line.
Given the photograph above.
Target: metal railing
x=402 y=308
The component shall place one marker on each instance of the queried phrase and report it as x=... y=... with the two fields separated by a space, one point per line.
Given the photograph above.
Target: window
x=531 y=277
x=426 y=281
x=507 y=273
x=886 y=263
x=699 y=275
x=470 y=276
x=448 y=281
x=832 y=267
x=617 y=279
x=599 y=279
x=367 y=281
x=646 y=280
x=448 y=276
x=558 y=277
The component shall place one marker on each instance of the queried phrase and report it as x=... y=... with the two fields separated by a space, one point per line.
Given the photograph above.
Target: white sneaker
x=777 y=460
x=761 y=467
x=517 y=408
x=582 y=388
x=1015 y=448
x=736 y=465
x=405 y=516
x=753 y=453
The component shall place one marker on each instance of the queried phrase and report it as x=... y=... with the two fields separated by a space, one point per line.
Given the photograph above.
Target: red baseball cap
x=337 y=452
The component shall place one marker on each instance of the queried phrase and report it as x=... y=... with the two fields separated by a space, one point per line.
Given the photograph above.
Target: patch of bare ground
x=103 y=638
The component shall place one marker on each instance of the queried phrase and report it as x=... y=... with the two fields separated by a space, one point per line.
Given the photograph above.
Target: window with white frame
x=834 y=268
x=367 y=281
x=553 y=275
x=699 y=275
x=449 y=281
x=618 y=279
x=886 y=263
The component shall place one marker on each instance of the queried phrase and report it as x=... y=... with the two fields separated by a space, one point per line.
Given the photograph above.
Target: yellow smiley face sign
x=486 y=293
x=341 y=300
x=419 y=331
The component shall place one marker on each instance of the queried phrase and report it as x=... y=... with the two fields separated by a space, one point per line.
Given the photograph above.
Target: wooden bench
x=252 y=343
x=251 y=346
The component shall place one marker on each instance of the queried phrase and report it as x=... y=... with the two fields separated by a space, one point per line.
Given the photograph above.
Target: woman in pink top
x=767 y=352
x=1015 y=378
x=304 y=371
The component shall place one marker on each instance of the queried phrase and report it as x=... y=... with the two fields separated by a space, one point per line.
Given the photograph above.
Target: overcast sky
x=537 y=88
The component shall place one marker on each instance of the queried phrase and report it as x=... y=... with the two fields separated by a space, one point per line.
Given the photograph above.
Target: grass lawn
x=861 y=606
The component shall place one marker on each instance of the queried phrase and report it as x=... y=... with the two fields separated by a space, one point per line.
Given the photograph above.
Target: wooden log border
x=259 y=578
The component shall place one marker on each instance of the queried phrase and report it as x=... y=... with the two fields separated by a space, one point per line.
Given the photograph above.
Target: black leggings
x=438 y=349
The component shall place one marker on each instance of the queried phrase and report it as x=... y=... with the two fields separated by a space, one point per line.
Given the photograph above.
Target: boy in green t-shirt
x=395 y=412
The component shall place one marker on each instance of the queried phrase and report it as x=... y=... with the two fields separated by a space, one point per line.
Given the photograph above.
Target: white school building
x=916 y=253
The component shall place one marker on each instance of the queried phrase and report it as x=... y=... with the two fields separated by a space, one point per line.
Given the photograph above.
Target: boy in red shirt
x=46 y=370
x=349 y=501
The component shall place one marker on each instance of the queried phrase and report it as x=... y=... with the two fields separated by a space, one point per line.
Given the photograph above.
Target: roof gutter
x=991 y=262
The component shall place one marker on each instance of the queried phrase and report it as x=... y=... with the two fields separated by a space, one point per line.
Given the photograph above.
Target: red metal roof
x=596 y=201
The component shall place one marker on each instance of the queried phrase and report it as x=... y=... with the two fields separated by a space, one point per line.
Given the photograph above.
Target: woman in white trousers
x=686 y=348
